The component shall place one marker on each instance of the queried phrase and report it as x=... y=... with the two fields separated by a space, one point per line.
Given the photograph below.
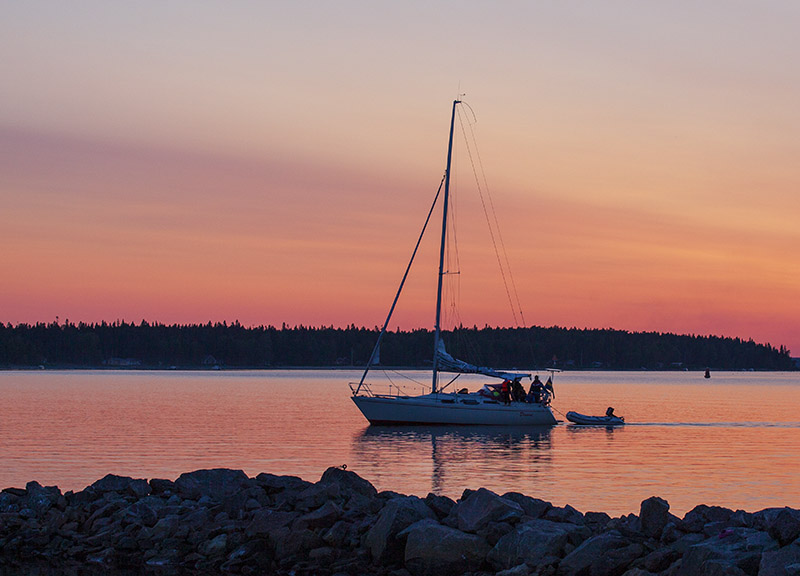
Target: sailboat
x=484 y=407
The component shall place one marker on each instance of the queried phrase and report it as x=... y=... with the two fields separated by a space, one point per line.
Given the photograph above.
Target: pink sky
x=273 y=162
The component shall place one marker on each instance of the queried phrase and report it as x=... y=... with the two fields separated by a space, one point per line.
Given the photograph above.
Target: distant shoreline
x=158 y=346
x=69 y=368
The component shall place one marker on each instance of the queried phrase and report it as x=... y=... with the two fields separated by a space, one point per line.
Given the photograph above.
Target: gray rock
x=738 y=549
x=785 y=526
x=194 y=521
x=741 y=519
x=436 y=550
x=314 y=496
x=347 y=483
x=161 y=486
x=273 y=484
x=567 y=514
x=40 y=498
x=762 y=519
x=383 y=540
x=322 y=518
x=685 y=542
x=140 y=513
x=234 y=505
x=217 y=483
x=484 y=506
x=653 y=515
x=441 y=505
x=215 y=547
x=322 y=556
x=253 y=552
x=18 y=492
x=602 y=555
x=519 y=570
x=783 y=562
x=294 y=544
x=696 y=519
x=596 y=520
x=660 y=559
x=532 y=507
x=337 y=534
x=111 y=483
x=493 y=531
x=166 y=527
x=530 y=542
x=358 y=505
x=637 y=572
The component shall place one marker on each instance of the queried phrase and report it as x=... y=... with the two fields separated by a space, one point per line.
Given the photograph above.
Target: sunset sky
x=273 y=162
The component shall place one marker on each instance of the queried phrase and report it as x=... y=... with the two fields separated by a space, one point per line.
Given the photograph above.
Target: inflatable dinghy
x=577 y=418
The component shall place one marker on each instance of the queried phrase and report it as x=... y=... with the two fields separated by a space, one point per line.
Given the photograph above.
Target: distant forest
x=223 y=345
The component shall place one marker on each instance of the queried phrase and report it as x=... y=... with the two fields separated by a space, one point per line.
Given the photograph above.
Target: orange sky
x=274 y=163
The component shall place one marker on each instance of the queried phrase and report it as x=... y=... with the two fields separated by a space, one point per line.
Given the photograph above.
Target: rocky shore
x=222 y=522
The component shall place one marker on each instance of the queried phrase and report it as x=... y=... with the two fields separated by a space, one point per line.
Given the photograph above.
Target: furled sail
x=447 y=363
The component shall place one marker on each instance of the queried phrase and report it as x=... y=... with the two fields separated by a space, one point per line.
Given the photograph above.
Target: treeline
x=122 y=344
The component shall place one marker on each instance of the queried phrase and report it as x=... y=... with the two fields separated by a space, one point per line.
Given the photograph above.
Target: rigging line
x=528 y=338
x=497 y=225
x=489 y=223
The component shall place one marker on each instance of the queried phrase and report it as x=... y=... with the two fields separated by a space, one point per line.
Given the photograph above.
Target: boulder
x=111 y=483
x=783 y=562
x=696 y=519
x=785 y=526
x=166 y=527
x=295 y=544
x=274 y=484
x=660 y=559
x=484 y=506
x=217 y=546
x=606 y=554
x=436 y=550
x=161 y=485
x=41 y=498
x=313 y=497
x=18 y=492
x=216 y=483
x=493 y=531
x=531 y=542
x=519 y=570
x=347 y=483
x=567 y=514
x=532 y=507
x=323 y=517
x=441 y=505
x=338 y=534
x=383 y=540
x=654 y=515
x=140 y=513
x=737 y=549
x=597 y=521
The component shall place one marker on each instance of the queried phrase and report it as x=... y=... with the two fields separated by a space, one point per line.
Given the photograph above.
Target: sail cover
x=446 y=363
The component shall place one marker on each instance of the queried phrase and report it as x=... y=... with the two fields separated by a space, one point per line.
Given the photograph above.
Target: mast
x=436 y=337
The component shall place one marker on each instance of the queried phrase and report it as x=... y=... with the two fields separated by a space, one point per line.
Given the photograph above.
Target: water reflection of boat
x=452 y=408
x=466 y=435
x=457 y=453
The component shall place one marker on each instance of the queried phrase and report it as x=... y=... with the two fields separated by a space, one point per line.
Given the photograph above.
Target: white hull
x=464 y=409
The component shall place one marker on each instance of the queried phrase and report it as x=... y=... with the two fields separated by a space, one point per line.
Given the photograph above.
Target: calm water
x=732 y=440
